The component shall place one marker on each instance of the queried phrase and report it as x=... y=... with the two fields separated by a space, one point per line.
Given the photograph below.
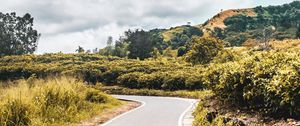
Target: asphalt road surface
x=154 y=111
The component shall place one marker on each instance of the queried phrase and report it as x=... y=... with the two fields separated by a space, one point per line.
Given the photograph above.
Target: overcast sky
x=67 y=24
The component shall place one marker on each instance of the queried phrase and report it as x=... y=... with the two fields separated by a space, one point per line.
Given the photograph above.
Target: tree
x=108 y=50
x=203 y=50
x=141 y=43
x=218 y=33
x=109 y=41
x=181 y=51
x=298 y=32
x=109 y=46
x=121 y=48
x=17 y=35
x=80 y=49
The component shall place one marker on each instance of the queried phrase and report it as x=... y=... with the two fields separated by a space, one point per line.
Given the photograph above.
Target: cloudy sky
x=67 y=24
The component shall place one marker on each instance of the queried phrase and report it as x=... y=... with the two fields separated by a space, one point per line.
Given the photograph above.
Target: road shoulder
x=111 y=114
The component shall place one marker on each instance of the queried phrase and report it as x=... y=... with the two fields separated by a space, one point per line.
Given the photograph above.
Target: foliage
x=80 y=50
x=17 y=35
x=203 y=50
x=168 y=52
x=155 y=53
x=206 y=117
x=56 y=101
x=108 y=50
x=241 y=27
x=227 y=55
x=121 y=48
x=152 y=92
x=181 y=51
x=141 y=43
x=266 y=81
x=179 y=39
x=97 y=96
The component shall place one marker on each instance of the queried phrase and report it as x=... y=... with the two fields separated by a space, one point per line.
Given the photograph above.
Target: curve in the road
x=154 y=111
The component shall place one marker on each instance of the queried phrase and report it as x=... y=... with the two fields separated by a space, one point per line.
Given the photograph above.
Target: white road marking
x=119 y=116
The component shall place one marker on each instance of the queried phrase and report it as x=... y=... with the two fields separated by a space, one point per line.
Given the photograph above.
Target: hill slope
x=218 y=20
x=236 y=26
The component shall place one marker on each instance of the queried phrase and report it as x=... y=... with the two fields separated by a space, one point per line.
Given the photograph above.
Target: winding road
x=154 y=111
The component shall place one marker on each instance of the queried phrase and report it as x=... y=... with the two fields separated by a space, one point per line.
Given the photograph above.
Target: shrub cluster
x=170 y=80
x=268 y=81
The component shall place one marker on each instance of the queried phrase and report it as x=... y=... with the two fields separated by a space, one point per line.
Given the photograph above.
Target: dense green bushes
x=177 y=80
x=266 y=81
x=203 y=50
x=242 y=26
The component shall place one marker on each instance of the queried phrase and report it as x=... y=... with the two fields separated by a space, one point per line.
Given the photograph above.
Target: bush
x=194 y=82
x=130 y=80
x=96 y=96
x=152 y=81
x=203 y=50
x=267 y=81
x=283 y=94
x=174 y=82
x=226 y=56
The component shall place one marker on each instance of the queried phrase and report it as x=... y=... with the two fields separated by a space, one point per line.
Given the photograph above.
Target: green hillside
x=237 y=26
x=241 y=27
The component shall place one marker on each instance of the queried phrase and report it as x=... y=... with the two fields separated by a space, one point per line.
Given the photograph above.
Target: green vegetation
x=242 y=27
x=56 y=101
x=160 y=62
x=254 y=79
x=197 y=94
x=206 y=117
x=141 y=44
x=203 y=50
x=179 y=36
x=17 y=35
x=80 y=49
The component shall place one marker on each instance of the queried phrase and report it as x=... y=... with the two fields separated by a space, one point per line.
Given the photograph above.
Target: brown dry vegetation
x=218 y=20
x=285 y=44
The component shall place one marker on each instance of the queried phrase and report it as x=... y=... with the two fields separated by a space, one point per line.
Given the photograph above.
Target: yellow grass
x=56 y=101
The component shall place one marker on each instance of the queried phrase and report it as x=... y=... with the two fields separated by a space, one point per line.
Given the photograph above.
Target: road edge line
x=123 y=114
x=181 y=118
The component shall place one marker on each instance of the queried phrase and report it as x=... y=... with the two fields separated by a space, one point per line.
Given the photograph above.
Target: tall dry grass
x=53 y=101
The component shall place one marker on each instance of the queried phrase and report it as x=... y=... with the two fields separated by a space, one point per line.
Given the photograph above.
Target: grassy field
x=53 y=101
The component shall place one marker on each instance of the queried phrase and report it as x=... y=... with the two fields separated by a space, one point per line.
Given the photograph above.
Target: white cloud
x=88 y=39
x=66 y=24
